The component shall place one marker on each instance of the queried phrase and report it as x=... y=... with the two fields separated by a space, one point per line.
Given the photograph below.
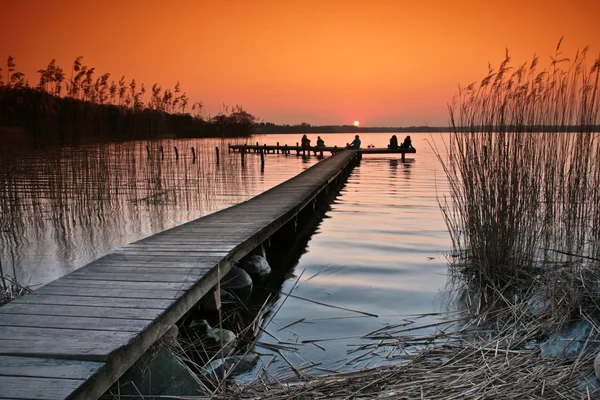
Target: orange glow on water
x=394 y=63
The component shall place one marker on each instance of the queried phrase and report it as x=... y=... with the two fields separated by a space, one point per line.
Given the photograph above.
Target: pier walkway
x=74 y=337
x=285 y=149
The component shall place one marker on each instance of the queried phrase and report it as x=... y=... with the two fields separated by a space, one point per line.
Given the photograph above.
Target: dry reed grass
x=523 y=172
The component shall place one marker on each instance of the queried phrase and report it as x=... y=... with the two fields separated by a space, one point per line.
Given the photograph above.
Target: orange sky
x=384 y=63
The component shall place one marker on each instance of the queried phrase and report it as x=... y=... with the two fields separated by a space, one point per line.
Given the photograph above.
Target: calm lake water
x=379 y=248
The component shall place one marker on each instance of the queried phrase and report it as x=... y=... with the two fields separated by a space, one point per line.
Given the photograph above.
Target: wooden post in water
x=242 y=152
x=287 y=151
x=193 y=155
x=162 y=153
x=403 y=157
x=262 y=160
x=217 y=153
x=297 y=151
x=176 y=153
x=148 y=151
x=277 y=148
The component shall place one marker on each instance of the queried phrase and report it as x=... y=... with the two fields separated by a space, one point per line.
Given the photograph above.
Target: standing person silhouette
x=355 y=143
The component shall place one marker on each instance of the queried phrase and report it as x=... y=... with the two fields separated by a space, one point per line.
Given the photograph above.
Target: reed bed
x=493 y=354
x=523 y=172
x=67 y=192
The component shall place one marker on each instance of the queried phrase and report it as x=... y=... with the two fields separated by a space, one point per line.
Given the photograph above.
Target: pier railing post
x=277 y=148
x=297 y=150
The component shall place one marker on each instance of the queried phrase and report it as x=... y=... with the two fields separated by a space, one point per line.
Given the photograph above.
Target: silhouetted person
x=320 y=142
x=355 y=143
x=305 y=142
x=407 y=144
x=393 y=143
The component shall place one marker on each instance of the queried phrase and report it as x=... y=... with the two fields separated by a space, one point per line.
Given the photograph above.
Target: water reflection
x=64 y=207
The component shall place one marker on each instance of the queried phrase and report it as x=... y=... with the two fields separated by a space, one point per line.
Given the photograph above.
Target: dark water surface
x=378 y=248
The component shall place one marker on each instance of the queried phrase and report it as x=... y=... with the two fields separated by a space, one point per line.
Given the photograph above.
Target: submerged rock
x=160 y=374
x=212 y=336
x=238 y=283
x=235 y=365
x=257 y=266
x=209 y=301
x=569 y=342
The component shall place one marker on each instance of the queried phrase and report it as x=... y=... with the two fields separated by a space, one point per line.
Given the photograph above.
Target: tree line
x=82 y=105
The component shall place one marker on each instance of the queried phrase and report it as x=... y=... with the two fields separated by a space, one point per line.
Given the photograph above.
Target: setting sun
x=356 y=123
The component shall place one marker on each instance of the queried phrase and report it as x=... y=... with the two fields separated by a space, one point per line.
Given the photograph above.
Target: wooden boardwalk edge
x=103 y=371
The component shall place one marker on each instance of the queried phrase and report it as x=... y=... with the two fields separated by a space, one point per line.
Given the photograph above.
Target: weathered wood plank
x=110 y=292
x=73 y=281
x=139 y=277
x=114 y=269
x=79 y=323
x=81 y=311
x=33 y=298
x=61 y=343
x=47 y=368
x=15 y=387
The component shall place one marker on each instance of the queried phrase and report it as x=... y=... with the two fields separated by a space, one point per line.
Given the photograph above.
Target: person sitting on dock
x=393 y=143
x=320 y=142
x=355 y=143
x=305 y=144
x=407 y=144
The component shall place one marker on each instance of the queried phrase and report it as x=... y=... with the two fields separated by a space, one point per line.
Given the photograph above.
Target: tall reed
x=523 y=170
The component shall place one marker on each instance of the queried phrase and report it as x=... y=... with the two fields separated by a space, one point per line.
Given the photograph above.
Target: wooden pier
x=285 y=149
x=74 y=337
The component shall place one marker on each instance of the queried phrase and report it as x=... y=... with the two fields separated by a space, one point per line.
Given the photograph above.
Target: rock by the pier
x=210 y=303
x=256 y=266
x=538 y=305
x=569 y=342
x=235 y=365
x=212 y=336
x=238 y=283
x=160 y=374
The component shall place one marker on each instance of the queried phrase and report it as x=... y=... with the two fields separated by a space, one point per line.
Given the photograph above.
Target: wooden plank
x=33 y=298
x=147 y=277
x=84 y=345
x=81 y=311
x=113 y=269
x=15 y=387
x=47 y=368
x=110 y=292
x=73 y=281
x=80 y=323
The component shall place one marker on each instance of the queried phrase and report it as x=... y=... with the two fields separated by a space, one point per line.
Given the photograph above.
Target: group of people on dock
x=305 y=143
x=355 y=144
x=407 y=144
